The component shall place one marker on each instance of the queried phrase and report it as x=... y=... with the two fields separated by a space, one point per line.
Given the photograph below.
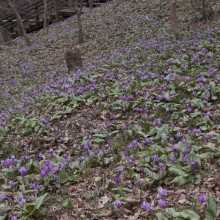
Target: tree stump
x=73 y=59
x=5 y=36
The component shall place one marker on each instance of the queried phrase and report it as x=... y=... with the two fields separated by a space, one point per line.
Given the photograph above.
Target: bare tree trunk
x=19 y=29
x=5 y=36
x=56 y=10
x=1 y=70
x=75 y=4
x=90 y=4
x=45 y=13
x=173 y=19
x=203 y=10
x=70 y=3
x=21 y=24
x=79 y=22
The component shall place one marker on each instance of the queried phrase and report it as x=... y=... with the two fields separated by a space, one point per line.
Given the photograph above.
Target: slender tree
x=20 y=22
x=90 y=4
x=56 y=9
x=173 y=18
x=79 y=22
x=45 y=14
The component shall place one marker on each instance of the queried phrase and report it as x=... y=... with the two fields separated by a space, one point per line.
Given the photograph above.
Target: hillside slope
x=133 y=135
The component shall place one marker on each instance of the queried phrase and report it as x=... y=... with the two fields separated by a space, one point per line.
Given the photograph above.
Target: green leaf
x=40 y=200
x=211 y=210
x=152 y=174
x=204 y=155
x=180 y=180
x=151 y=132
x=161 y=216
x=55 y=117
x=176 y=171
x=66 y=203
x=33 y=123
x=101 y=135
x=26 y=131
x=186 y=214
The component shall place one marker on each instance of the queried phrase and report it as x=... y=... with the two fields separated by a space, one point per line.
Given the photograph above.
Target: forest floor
x=134 y=134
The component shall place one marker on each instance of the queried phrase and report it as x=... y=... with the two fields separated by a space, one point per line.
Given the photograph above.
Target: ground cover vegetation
x=134 y=134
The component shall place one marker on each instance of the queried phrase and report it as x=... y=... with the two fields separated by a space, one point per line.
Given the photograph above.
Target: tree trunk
x=173 y=19
x=73 y=59
x=21 y=24
x=90 y=4
x=79 y=23
x=45 y=13
x=19 y=29
x=56 y=10
x=204 y=10
x=75 y=4
x=5 y=36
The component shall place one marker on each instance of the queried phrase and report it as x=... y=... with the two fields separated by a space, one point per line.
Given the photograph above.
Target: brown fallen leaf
x=105 y=213
x=102 y=201
x=135 y=216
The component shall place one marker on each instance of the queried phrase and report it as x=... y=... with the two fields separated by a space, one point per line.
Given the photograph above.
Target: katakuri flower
x=118 y=204
x=162 y=203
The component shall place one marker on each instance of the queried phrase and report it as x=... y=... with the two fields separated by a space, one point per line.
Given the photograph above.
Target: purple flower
x=184 y=151
x=43 y=173
x=138 y=181
x=155 y=158
x=185 y=159
x=158 y=121
x=112 y=116
x=11 y=183
x=189 y=110
x=172 y=159
x=81 y=159
x=147 y=141
x=3 y=197
x=179 y=134
x=162 y=165
x=201 y=198
x=118 y=204
x=20 y=197
x=146 y=206
x=61 y=139
x=35 y=186
x=8 y=162
x=62 y=166
x=171 y=139
x=51 y=151
x=162 y=192
x=117 y=179
x=23 y=202
x=54 y=170
x=13 y=217
x=189 y=147
x=131 y=159
x=154 y=123
x=194 y=163
x=196 y=131
x=22 y=171
x=162 y=203
x=121 y=169
x=25 y=158
x=175 y=149
x=124 y=127
x=207 y=137
x=110 y=148
x=40 y=156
